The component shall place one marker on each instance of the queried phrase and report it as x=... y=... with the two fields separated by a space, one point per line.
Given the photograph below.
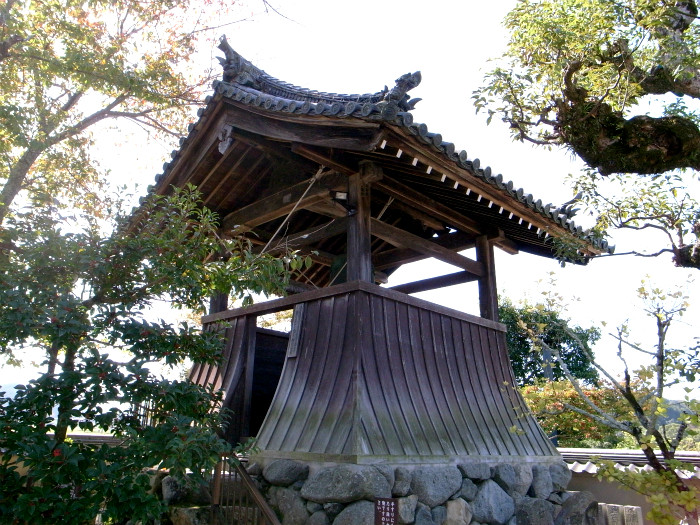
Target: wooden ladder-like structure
x=235 y=498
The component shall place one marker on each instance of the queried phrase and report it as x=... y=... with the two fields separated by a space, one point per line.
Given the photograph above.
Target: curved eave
x=352 y=131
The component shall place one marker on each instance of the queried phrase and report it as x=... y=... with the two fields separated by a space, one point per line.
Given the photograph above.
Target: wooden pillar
x=218 y=303
x=359 y=240
x=488 y=294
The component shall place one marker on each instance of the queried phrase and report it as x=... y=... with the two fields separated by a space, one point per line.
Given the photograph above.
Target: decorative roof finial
x=399 y=93
x=236 y=68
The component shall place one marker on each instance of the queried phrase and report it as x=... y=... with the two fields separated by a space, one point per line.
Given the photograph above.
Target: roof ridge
x=238 y=70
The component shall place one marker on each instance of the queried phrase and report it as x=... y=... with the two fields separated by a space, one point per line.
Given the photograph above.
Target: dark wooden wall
x=376 y=376
x=372 y=373
x=248 y=378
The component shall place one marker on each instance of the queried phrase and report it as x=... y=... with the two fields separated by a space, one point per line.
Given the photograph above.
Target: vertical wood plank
x=359 y=246
x=488 y=295
x=250 y=335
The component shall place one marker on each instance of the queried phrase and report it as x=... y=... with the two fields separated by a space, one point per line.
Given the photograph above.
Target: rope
x=311 y=183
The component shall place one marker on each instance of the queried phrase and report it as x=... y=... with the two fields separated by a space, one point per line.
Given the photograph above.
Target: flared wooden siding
x=375 y=374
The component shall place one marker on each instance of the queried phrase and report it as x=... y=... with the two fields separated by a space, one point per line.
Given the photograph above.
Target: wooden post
x=249 y=369
x=488 y=294
x=359 y=241
x=218 y=303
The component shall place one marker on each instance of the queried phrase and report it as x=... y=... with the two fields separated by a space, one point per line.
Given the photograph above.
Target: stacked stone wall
x=463 y=494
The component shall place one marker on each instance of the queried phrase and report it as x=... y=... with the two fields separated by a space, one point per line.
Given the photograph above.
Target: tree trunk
x=65 y=405
x=18 y=173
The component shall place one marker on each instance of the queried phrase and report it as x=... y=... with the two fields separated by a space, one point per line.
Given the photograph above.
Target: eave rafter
x=440 y=168
x=421 y=207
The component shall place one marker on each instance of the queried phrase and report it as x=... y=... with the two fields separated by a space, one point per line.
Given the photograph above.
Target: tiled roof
x=580 y=460
x=245 y=84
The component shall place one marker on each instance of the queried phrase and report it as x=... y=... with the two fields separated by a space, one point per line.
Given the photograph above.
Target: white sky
x=360 y=46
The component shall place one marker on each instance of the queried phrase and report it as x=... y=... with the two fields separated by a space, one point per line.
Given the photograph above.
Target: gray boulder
x=312 y=506
x=533 y=511
x=435 y=485
x=254 y=469
x=492 y=504
x=523 y=478
x=423 y=515
x=388 y=473
x=561 y=476
x=359 y=513
x=402 y=482
x=284 y=472
x=458 y=513
x=475 y=471
x=289 y=504
x=173 y=490
x=318 y=518
x=468 y=490
x=514 y=479
x=542 y=485
x=190 y=515
x=504 y=475
x=345 y=484
x=407 y=508
x=580 y=509
x=439 y=514
x=333 y=509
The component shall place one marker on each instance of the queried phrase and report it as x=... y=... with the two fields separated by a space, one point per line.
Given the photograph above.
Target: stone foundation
x=463 y=494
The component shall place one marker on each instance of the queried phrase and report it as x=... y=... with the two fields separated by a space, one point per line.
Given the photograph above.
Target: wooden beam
x=229 y=171
x=429 y=206
x=194 y=152
x=322 y=159
x=488 y=295
x=359 y=247
x=435 y=282
x=427 y=220
x=281 y=203
x=350 y=134
x=308 y=236
x=403 y=239
x=328 y=208
x=445 y=214
x=467 y=179
x=218 y=302
x=457 y=242
x=500 y=240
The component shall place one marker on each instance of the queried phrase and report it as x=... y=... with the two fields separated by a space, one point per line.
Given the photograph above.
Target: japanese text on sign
x=386 y=511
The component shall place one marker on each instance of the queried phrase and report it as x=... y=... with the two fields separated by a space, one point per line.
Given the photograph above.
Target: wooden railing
x=235 y=498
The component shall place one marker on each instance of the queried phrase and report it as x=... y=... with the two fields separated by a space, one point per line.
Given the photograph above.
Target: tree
x=530 y=363
x=68 y=65
x=580 y=74
x=642 y=389
x=548 y=401
x=80 y=296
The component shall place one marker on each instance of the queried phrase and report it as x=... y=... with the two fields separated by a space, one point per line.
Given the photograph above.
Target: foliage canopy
x=530 y=363
x=618 y=83
x=68 y=65
x=80 y=296
x=632 y=402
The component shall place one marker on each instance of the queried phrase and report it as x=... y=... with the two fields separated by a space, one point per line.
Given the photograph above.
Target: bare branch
x=631 y=345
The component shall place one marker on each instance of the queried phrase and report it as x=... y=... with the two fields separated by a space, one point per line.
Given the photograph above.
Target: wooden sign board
x=386 y=511
x=613 y=514
x=633 y=515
